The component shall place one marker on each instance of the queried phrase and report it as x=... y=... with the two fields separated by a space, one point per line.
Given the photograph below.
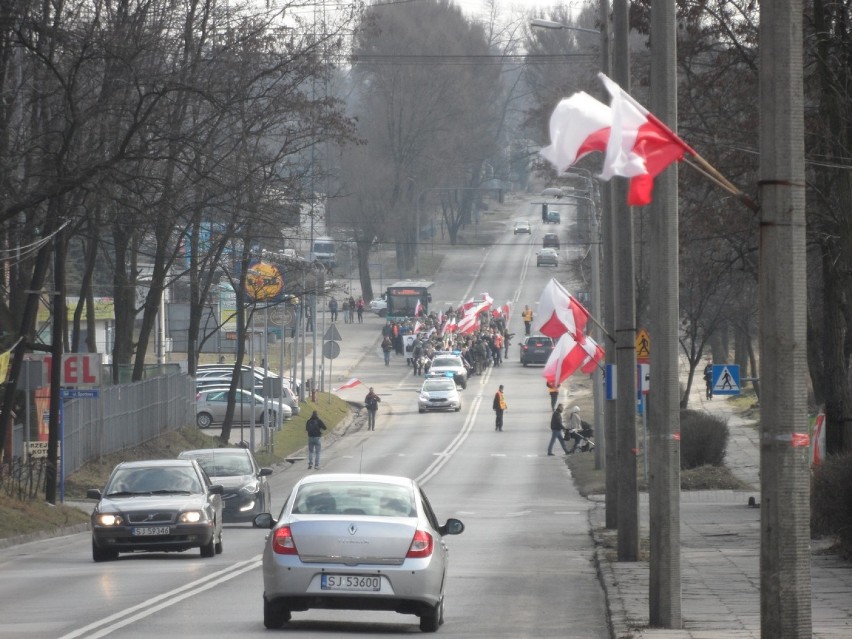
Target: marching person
x=556 y=427
x=314 y=427
x=371 y=401
x=499 y=406
x=708 y=378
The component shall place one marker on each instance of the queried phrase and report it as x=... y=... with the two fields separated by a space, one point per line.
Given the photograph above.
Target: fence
x=125 y=415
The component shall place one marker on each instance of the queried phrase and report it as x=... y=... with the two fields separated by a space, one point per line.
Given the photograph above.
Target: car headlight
x=251 y=488
x=108 y=519
x=191 y=517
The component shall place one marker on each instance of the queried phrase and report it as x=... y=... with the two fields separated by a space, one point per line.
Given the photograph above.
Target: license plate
x=351 y=583
x=150 y=530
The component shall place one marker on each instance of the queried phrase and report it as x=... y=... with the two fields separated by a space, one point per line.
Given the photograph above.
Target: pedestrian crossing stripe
x=726 y=379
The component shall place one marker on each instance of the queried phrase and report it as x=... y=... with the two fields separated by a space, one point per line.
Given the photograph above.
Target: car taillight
x=282 y=541
x=421 y=545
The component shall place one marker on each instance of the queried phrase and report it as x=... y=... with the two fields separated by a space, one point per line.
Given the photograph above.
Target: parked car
x=162 y=505
x=439 y=393
x=553 y=217
x=446 y=363
x=211 y=404
x=379 y=306
x=245 y=490
x=207 y=371
x=536 y=349
x=522 y=226
x=356 y=542
x=547 y=257
x=550 y=240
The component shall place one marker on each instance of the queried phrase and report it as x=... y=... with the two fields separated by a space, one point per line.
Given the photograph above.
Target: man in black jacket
x=314 y=427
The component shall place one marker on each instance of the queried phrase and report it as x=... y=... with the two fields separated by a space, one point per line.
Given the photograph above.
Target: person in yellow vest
x=499 y=406
x=553 y=389
x=527 y=316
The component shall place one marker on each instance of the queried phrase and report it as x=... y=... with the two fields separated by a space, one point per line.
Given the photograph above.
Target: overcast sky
x=476 y=7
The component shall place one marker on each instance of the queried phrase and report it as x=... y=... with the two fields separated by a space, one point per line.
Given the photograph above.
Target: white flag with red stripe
x=566 y=358
x=353 y=381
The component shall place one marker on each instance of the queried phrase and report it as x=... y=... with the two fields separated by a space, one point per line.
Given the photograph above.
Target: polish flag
x=468 y=324
x=417 y=327
x=566 y=358
x=594 y=355
x=449 y=326
x=354 y=381
x=579 y=125
x=559 y=312
x=418 y=309
x=640 y=146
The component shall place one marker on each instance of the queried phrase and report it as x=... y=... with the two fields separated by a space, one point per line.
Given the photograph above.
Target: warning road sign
x=726 y=379
x=643 y=346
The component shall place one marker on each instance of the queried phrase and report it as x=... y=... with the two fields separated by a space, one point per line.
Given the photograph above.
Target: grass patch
x=27 y=517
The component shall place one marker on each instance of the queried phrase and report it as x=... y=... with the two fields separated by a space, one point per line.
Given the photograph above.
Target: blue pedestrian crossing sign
x=726 y=379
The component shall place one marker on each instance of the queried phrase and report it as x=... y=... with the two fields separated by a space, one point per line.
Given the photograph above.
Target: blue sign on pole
x=726 y=379
x=80 y=393
x=609 y=382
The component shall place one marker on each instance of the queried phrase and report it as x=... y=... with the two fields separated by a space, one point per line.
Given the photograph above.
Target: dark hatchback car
x=245 y=490
x=161 y=505
x=536 y=349
x=550 y=240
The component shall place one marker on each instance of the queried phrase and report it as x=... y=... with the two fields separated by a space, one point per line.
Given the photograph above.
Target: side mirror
x=93 y=493
x=263 y=520
x=452 y=527
x=264 y=472
x=216 y=489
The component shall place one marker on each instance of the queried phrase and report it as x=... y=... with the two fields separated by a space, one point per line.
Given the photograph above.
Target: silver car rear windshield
x=338 y=498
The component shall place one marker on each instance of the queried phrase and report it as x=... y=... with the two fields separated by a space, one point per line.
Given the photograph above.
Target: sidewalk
x=720 y=555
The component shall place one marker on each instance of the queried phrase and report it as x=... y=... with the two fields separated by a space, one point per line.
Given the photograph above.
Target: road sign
x=726 y=379
x=80 y=393
x=643 y=379
x=332 y=334
x=643 y=345
x=330 y=350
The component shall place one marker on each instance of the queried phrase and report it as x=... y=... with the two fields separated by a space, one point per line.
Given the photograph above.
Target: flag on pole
x=579 y=125
x=559 y=312
x=418 y=309
x=640 y=146
x=594 y=354
x=566 y=358
x=354 y=381
x=468 y=324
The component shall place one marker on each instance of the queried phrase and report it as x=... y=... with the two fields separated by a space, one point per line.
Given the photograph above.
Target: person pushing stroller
x=581 y=432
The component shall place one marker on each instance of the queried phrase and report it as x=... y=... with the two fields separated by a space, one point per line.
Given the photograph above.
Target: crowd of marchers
x=480 y=343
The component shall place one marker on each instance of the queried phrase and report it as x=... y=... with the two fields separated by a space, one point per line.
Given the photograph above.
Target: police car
x=446 y=364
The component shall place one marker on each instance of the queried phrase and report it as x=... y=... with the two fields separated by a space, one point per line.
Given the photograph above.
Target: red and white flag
x=566 y=358
x=449 y=326
x=559 y=312
x=594 y=354
x=354 y=381
x=640 y=146
x=418 y=309
x=579 y=125
x=468 y=324
x=417 y=327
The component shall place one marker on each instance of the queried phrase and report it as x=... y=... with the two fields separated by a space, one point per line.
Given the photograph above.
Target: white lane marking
x=164 y=600
x=447 y=453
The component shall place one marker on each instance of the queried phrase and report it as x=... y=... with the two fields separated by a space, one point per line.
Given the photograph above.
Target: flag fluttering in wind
x=449 y=326
x=595 y=353
x=637 y=144
x=566 y=358
x=468 y=324
x=579 y=125
x=353 y=381
x=559 y=312
x=640 y=147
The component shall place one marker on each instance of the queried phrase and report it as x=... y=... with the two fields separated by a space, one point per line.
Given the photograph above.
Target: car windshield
x=445 y=361
x=438 y=385
x=361 y=498
x=145 y=481
x=224 y=465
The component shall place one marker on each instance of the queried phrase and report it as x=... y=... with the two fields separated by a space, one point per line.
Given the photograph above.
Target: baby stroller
x=581 y=437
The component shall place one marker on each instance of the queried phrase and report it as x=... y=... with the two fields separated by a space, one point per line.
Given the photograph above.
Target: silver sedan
x=356 y=542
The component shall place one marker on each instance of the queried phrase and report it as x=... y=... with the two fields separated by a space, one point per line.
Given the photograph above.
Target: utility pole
x=785 y=586
x=625 y=326
x=664 y=597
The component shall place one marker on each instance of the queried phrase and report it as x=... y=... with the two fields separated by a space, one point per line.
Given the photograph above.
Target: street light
x=550 y=24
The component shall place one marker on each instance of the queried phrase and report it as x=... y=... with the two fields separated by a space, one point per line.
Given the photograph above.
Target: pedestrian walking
x=314 y=427
x=359 y=307
x=708 y=379
x=553 y=391
x=351 y=310
x=371 y=401
x=332 y=309
x=499 y=406
x=556 y=427
x=387 y=349
x=527 y=316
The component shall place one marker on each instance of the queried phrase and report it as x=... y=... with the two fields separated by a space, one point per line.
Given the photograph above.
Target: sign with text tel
x=81 y=369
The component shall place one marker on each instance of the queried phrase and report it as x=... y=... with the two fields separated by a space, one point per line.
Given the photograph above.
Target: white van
x=323 y=252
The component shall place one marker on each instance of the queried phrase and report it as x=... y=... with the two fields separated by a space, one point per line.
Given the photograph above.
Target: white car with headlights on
x=356 y=542
x=439 y=393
